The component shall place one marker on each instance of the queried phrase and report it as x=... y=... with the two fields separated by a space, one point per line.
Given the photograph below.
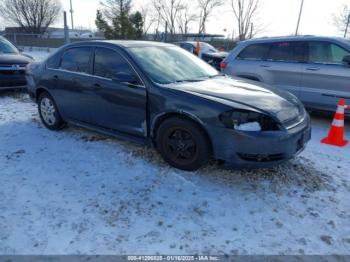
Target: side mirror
x=125 y=78
x=346 y=60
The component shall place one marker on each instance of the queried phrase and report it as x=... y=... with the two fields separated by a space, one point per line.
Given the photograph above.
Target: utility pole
x=71 y=14
x=251 y=31
x=347 y=26
x=66 y=30
x=301 y=11
x=166 y=32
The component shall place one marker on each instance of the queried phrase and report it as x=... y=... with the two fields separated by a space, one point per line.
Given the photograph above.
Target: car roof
x=123 y=43
x=293 y=38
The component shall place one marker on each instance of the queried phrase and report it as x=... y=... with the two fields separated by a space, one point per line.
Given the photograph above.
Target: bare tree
x=245 y=12
x=33 y=16
x=342 y=19
x=206 y=8
x=168 y=11
x=184 y=20
x=148 y=18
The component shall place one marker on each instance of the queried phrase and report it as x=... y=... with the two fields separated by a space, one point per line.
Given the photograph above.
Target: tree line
x=117 y=20
x=172 y=16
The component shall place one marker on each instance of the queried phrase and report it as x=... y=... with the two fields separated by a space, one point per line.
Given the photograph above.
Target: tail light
x=223 y=65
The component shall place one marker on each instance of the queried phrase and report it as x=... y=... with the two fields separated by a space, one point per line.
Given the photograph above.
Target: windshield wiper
x=202 y=78
x=188 y=80
x=217 y=75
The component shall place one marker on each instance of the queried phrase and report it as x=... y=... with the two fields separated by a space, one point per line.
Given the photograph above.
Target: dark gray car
x=315 y=69
x=162 y=95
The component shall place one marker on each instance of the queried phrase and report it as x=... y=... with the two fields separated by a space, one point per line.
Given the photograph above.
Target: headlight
x=249 y=127
x=248 y=121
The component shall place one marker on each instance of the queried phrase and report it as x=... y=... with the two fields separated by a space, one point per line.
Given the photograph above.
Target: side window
x=77 y=60
x=326 y=53
x=254 y=52
x=287 y=52
x=54 y=61
x=109 y=63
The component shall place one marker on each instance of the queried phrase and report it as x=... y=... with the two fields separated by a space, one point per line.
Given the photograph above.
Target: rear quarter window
x=54 y=61
x=254 y=52
x=77 y=59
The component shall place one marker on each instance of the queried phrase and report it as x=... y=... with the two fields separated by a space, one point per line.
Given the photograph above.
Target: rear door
x=118 y=106
x=282 y=66
x=71 y=82
x=325 y=79
x=247 y=61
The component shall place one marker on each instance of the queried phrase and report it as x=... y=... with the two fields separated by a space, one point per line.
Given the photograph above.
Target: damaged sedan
x=161 y=95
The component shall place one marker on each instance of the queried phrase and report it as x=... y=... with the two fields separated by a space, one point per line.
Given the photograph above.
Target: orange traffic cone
x=336 y=133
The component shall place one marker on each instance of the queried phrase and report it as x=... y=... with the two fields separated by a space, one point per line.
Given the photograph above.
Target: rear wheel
x=183 y=144
x=48 y=112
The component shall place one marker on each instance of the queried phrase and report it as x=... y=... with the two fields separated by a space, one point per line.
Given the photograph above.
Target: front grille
x=11 y=65
x=12 y=72
x=260 y=157
x=12 y=68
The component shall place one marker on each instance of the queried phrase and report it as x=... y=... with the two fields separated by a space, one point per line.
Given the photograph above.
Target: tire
x=48 y=112
x=183 y=144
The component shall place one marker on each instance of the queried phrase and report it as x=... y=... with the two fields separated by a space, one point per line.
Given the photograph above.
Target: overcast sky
x=278 y=17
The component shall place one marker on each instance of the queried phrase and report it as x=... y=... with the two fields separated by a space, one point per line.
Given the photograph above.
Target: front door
x=325 y=78
x=119 y=106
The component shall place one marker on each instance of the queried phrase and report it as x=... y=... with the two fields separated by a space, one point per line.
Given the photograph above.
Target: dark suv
x=12 y=66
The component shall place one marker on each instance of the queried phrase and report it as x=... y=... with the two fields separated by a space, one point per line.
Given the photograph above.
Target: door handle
x=55 y=77
x=265 y=66
x=313 y=68
x=96 y=85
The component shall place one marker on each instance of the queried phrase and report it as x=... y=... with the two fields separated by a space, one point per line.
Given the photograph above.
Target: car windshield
x=171 y=64
x=6 y=47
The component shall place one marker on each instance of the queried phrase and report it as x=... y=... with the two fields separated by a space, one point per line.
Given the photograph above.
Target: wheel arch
x=159 y=119
x=39 y=91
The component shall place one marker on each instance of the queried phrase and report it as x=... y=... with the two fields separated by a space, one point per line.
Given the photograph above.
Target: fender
x=154 y=123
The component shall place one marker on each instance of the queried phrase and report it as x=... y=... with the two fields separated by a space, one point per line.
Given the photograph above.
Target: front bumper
x=11 y=79
x=260 y=149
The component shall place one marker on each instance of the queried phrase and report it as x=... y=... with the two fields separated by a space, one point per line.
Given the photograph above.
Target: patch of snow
x=250 y=127
x=78 y=192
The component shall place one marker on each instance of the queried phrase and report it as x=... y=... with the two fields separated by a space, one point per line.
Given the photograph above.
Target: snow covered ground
x=78 y=192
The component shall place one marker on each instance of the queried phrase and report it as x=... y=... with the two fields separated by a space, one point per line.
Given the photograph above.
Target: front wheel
x=183 y=144
x=48 y=112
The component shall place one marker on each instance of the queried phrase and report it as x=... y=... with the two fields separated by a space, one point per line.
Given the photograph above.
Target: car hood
x=260 y=97
x=216 y=55
x=14 y=59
